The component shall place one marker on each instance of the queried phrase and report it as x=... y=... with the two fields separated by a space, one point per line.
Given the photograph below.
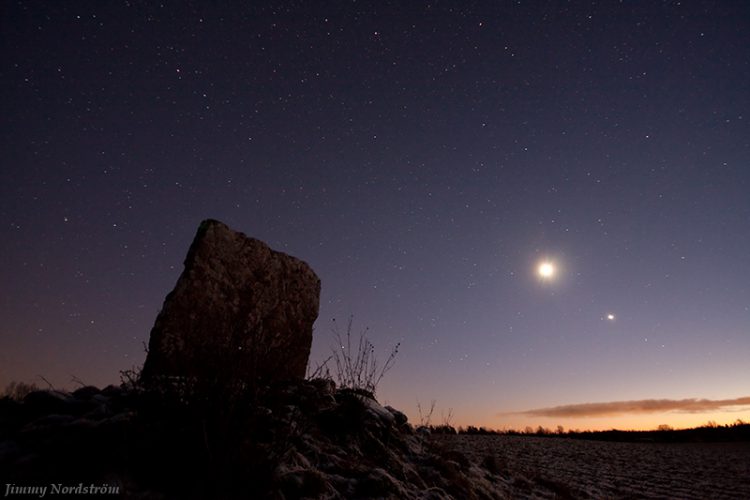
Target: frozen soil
x=534 y=467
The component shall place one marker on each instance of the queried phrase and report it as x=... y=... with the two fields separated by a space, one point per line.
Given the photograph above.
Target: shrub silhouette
x=355 y=367
x=18 y=390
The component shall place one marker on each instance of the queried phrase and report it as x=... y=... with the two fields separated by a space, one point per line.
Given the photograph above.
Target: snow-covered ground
x=532 y=467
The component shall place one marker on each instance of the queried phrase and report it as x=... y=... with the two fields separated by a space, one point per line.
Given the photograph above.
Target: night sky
x=425 y=159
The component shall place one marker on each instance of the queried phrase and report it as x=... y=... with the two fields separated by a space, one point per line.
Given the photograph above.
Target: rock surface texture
x=240 y=310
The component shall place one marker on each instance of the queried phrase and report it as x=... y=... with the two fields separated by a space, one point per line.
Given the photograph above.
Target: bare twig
x=51 y=387
x=321 y=370
x=425 y=418
x=447 y=419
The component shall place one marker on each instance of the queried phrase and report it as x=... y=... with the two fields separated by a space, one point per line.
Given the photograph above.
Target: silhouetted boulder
x=39 y=403
x=239 y=311
x=399 y=416
x=86 y=392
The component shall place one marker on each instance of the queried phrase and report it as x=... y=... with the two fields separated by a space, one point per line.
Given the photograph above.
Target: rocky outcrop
x=300 y=439
x=56 y=436
x=240 y=311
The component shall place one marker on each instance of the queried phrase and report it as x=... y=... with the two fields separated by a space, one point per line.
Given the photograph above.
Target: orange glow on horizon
x=625 y=422
x=647 y=422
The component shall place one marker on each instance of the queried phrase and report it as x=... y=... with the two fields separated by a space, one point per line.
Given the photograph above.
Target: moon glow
x=546 y=270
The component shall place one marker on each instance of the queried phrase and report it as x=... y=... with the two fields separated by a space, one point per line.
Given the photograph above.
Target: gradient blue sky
x=423 y=158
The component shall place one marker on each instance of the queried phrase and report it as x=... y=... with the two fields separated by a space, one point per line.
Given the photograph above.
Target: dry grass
x=356 y=364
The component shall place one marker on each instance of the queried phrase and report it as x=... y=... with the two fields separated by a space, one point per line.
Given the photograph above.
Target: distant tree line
x=710 y=432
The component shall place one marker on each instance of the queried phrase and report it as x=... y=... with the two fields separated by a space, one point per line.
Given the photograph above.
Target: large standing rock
x=239 y=310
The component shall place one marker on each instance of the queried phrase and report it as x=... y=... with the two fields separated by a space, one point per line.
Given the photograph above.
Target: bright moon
x=611 y=317
x=546 y=270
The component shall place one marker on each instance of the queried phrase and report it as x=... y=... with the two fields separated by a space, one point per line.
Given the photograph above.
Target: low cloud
x=636 y=407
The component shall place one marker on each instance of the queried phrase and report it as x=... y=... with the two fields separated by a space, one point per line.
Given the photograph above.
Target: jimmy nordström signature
x=39 y=491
